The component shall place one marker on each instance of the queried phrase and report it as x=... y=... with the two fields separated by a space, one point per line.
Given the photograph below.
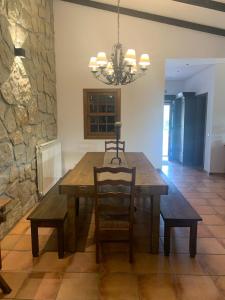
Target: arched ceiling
x=174 y=9
x=200 y=15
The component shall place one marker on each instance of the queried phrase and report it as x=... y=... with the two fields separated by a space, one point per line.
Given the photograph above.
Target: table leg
x=71 y=225
x=34 y=239
x=155 y=223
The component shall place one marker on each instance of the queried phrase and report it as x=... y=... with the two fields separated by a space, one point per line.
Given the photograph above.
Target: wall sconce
x=19 y=52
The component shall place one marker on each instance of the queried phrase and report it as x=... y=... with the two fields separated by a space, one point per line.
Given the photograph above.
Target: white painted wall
x=173 y=87
x=218 y=122
x=79 y=33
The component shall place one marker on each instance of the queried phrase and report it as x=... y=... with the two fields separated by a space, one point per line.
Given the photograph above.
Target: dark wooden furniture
x=114 y=207
x=111 y=145
x=102 y=109
x=80 y=183
x=177 y=212
x=3 y=284
x=51 y=212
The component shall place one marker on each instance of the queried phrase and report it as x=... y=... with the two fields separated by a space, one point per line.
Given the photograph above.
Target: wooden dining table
x=79 y=182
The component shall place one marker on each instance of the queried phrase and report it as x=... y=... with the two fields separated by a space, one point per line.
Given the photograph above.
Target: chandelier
x=119 y=69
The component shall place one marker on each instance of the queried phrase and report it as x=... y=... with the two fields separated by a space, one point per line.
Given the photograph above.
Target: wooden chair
x=111 y=145
x=114 y=206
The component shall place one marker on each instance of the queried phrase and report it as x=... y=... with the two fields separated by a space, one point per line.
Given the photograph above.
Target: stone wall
x=27 y=99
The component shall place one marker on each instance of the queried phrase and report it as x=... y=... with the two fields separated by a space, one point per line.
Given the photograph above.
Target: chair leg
x=34 y=239
x=166 y=240
x=193 y=239
x=60 y=233
x=97 y=252
x=77 y=206
x=4 y=286
x=131 y=256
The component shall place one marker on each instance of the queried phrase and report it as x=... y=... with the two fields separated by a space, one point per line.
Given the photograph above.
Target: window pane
x=94 y=128
x=111 y=119
x=110 y=128
x=102 y=128
x=100 y=116
x=102 y=120
x=94 y=120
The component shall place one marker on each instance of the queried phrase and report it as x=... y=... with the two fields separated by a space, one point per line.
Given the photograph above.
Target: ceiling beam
x=215 y=5
x=151 y=17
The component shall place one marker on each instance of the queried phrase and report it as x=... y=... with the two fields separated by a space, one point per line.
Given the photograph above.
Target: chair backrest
x=111 y=145
x=116 y=183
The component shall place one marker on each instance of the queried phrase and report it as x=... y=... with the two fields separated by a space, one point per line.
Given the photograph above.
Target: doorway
x=166 y=129
x=184 y=129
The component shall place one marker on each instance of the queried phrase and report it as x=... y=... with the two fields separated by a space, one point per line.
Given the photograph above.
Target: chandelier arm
x=98 y=76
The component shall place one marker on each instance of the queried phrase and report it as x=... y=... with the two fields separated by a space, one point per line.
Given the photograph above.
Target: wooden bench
x=51 y=212
x=3 y=284
x=177 y=212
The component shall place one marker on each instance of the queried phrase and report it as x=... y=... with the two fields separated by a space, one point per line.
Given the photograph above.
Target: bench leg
x=60 y=233
x=34 y=239
x=193 y=239
x=4 y=286
x=155 y=221
x=77 y=206
x=166 y=240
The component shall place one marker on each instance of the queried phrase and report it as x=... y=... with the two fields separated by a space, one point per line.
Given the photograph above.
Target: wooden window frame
x=100 y=135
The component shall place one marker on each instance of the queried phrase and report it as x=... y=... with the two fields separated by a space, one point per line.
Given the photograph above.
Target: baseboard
x=216 y=173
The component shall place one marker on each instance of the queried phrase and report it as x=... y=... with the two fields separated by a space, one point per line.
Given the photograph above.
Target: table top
x=81 y=180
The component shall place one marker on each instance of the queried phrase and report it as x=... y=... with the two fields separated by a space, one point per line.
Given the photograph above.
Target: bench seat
x=51 y=212
x=176 y=211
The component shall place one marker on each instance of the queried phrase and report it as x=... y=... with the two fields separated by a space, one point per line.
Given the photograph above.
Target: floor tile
x=18 y=261
x=220 y=283
x=117 y=263
x=204 y=209
x=20 y=228
x=157 y=287
x=209 y=246
x=15 y=281
x=203 y=231
x=83 y=262
x=83 y=286
x=217 y=231
x=119 y=286
x=9 y=241
x=40 y=286
x=25 y=243
x=49 y=262
x=216 y=202
x=198 y=288
x=184 y=264
x=145 y=263
x=213 y=220
x=220 y=210
x=212 y=264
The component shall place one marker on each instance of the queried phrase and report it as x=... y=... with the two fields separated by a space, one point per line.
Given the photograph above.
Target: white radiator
x=49 y=165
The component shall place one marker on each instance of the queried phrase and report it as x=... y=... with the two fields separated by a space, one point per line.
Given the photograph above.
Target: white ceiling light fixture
x=119 y=69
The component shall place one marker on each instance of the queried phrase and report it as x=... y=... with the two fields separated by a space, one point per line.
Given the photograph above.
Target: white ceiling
x=176 y=10
x=181 y=69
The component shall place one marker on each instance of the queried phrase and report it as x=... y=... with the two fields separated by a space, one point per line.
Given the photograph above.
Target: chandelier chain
x=118 y=20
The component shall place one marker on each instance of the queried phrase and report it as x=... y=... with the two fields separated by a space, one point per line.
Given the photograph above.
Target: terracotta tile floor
x=153 y=277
